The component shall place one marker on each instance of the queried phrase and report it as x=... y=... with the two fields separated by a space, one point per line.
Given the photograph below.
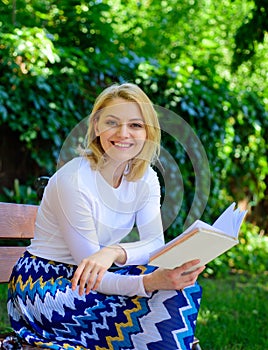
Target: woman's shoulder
x=149 y=180
x=76 y=162
x=150 y=174
x=75 y=165
x=73 y=170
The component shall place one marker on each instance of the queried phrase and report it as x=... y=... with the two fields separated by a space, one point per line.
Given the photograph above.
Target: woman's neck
x=113 y=173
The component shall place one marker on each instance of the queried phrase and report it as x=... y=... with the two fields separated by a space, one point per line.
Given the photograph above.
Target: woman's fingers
x=188 y=265
x=94 y=280
x=181 y=277
x=189 y=278
x=88 y=276
x=192 y=276
x=77 y=274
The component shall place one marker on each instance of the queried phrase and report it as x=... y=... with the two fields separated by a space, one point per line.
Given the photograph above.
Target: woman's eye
x=137 y=125
x=111 y=122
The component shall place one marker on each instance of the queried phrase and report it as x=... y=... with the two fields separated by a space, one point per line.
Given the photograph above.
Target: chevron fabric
x=45 y=312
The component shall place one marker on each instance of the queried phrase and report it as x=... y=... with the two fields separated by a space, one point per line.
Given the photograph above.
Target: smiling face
x=100 y=146
x=121 y=129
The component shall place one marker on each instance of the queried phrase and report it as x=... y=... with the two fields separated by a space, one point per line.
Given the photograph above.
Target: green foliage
x=32 y=48
x=250 y=33
x=244 y=139
x=19 y=194
x=45 y=115
x=4 y=320
x=236 y=122
x=57 y=56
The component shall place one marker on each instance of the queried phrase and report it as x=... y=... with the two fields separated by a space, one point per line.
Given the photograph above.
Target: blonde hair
x=151 y=149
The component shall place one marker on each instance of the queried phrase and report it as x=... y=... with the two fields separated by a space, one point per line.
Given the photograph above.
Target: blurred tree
x=251 y=33
x=56 y=56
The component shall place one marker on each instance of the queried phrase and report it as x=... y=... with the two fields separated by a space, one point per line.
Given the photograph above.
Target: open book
x=201 y=241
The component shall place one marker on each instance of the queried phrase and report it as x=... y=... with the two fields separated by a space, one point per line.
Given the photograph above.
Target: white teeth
x=124 y=145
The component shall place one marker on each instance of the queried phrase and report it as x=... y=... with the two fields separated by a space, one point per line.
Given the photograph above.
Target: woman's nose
x=123 y=130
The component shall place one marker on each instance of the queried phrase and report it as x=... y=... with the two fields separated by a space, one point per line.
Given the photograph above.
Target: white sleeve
x=74 y=215
x=115 y=284
x=149 y=224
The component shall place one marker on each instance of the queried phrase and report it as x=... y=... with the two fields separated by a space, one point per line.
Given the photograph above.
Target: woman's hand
x=172 y=279
x=90 y=271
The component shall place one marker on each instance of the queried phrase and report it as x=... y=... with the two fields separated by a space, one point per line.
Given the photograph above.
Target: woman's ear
x=96 y=128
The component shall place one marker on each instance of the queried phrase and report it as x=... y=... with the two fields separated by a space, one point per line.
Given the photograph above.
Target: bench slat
x=8 y=258
x=17 y=220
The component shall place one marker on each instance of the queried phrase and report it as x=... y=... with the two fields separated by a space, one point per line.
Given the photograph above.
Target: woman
x=61 y=292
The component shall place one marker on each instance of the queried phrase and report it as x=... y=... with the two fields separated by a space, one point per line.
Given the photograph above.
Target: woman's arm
x=148 y=221
x=142 y=285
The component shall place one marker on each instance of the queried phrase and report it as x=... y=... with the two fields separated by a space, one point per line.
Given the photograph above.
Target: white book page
x=230 y=221
x=198 y=224
x=238 y=219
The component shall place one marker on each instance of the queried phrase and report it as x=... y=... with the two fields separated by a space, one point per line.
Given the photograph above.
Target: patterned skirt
x=45 y=312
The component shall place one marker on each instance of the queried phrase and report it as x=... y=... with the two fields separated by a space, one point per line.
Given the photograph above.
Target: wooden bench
x=17 y=224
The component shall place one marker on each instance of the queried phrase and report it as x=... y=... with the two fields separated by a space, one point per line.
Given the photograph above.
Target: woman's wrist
x=120 y=254
x=148 y=282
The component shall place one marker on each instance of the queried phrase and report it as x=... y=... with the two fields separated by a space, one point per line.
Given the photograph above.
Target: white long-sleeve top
x=80 y=213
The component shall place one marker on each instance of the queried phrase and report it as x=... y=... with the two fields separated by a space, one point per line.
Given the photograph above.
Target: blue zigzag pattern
x=189 y=315
x=54 y=317
x=126 y=343
x=181 y=329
